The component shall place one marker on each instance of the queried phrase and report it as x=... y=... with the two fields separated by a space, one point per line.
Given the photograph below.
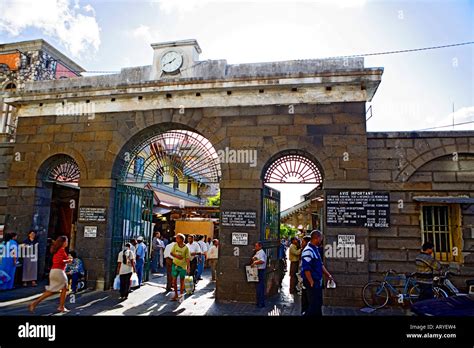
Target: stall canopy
x=205 y=228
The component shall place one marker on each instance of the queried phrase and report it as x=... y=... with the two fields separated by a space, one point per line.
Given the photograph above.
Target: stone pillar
x=95 y=251
x=232 y=282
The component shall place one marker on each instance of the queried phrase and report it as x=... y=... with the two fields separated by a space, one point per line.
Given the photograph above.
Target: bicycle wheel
x=414 y=294
x=375 y=294
x=439 y=292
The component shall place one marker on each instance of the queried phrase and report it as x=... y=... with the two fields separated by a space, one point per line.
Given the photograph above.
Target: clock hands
x=171 y=61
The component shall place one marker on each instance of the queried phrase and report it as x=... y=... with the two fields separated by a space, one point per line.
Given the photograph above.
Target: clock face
x=171 y=61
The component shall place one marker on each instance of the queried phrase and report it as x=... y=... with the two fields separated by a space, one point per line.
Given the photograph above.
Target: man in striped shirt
x=312 y=270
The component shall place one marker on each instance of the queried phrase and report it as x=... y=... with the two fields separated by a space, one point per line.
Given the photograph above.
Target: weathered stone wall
x=6 y=157
x=327 y=132
x=419 y=164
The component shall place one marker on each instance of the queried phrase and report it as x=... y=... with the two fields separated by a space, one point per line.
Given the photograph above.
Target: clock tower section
x=166 y=52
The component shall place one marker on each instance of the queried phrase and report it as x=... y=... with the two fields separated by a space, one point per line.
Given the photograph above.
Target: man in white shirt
x=157 y=251
x=202 y=258
x=169 y=264
x=212 y=256
x=259 y=260
x=195 y=251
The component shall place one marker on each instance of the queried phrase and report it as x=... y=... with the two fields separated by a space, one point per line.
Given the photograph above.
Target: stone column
x=95 y=251
x=232 y=285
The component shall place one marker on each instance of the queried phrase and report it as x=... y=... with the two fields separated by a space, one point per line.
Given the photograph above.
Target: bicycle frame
x=408 y=283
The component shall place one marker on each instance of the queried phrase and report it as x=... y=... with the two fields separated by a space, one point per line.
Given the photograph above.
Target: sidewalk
x=152 y=299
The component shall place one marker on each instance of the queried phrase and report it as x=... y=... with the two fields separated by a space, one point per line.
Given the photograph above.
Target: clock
x=171 y=61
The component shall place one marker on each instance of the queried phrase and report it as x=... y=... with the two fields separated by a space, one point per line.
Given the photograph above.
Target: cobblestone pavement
x=152 y=299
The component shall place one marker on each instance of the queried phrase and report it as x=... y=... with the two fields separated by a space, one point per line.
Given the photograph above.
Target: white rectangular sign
x=240 y=238
x=90 y=231
x=346 y=240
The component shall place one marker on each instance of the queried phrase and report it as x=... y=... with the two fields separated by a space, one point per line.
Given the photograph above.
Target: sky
x=419 y=90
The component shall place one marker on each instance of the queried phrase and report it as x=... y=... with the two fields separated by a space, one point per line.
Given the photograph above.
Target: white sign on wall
x=90 y=231
x=346 y=240
x=240 y=238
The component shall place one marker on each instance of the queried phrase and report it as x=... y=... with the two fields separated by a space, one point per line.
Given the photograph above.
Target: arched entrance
x=57 y=201
x=286 y=175
x=164 y=175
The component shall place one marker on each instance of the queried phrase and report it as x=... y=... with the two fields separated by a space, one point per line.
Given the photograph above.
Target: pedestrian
x=181 y=264
x=300 y=286
x=163 y=244
x=157 y=247
x=75 y=270
x=133 y=245
x=294 y=256
x=57 y=276
x=195 y=251
x=425 y=267
x=30 y=259
x=212 y=257
x=8 y=260
x=259 y=260
x=140 y=255
x=125 y=268
x=312 y=270
x=209 y=244
x=169 y=264
x=202 y=258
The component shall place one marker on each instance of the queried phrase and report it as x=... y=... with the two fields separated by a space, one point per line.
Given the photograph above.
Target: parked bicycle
x=444 y=286
x=376 y=294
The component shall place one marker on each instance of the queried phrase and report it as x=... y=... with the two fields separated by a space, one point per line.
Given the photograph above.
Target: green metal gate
x=270 y=231
x=132 y=218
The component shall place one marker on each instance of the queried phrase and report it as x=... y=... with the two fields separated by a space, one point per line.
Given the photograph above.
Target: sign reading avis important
x=357 y=209
x=92 y=214
x=239 y=219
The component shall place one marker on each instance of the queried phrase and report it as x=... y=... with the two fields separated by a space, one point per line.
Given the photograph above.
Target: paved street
x=152 y=299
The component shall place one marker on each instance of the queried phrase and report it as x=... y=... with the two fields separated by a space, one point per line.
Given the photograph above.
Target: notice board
x=357 y=209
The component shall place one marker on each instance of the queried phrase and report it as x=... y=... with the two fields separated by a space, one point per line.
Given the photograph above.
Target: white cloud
x=60 y=19
x=463 y=115
x=145 y=33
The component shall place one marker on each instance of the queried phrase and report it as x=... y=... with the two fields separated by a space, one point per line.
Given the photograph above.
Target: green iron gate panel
x=132 y=218
x=270 y=230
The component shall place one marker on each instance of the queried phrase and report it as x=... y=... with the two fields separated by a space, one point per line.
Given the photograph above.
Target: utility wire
x=449 y=125
x=349 y=56
x=404 y=51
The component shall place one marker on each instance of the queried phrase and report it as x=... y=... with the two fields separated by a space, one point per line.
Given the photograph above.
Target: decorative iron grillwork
x=293 y=168
x=173 y=156
x=64 y=169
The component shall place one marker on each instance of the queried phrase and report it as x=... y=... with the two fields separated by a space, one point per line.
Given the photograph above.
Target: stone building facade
x=316 y=108
x=21 y=62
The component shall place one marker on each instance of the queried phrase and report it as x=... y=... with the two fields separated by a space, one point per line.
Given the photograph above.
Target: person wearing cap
x=312 y=270
x=140 y=258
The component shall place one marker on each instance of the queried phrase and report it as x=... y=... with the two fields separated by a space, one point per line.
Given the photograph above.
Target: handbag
x=134 y=280
x=117 y=283
x=189 y=284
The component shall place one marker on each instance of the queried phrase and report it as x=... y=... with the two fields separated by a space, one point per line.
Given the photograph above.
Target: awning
x=453 y=200
x=294 y=209
x=160 y=210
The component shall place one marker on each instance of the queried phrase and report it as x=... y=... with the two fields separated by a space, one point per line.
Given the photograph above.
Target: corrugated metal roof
x=446 y=199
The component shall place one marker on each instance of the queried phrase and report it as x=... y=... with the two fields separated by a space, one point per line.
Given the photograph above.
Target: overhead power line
x=349 y=56
x=405 y=51
x=449 y=125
